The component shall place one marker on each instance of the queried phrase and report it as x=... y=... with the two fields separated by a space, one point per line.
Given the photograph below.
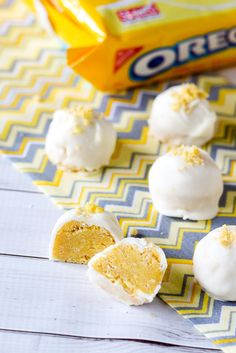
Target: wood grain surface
x=51 y=307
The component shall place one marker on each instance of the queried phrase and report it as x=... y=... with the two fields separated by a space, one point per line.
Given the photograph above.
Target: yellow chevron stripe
x=23 y=145
x=54 y=183
x=226 y=340
x=38 y=169
x=23 y=42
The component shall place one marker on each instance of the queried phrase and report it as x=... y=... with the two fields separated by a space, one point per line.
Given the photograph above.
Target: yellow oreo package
x=118 y=44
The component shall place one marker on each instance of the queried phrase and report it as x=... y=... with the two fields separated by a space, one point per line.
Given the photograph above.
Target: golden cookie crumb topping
x=189 y=93
x=88 y=209
x=133 y=232
x=226 y=236
x=192 y=155
x=84 y=117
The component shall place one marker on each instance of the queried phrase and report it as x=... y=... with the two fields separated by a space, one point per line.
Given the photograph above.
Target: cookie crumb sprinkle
x=134 y=232
x=189 y=93
x=226 y=236
x=192 y=155
x=88 y=209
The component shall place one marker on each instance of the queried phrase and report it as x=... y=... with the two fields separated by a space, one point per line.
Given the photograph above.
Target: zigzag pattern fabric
x=31 y=64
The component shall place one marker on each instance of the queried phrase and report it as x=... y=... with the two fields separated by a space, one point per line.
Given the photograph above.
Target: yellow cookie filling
x=134 y=269
x=77 y=242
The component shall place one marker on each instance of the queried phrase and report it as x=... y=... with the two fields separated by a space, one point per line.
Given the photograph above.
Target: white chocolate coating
x=104 y=219
x=72 y=149
x=194 y=127
x=115 y=289
x=188 y=191
x=214 y=265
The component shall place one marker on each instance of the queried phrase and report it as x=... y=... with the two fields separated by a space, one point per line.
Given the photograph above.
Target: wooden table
x=50 y=307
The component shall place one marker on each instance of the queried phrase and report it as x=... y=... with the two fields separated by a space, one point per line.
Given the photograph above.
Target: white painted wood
x=26 y=221
x=37 y=295
x=10 y=178
x=42 y=296
x=28 y=343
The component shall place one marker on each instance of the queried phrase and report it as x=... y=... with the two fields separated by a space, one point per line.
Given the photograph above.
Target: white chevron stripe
x=222 y=328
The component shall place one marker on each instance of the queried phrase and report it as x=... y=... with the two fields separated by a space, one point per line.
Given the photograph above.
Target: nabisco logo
x=138 y=13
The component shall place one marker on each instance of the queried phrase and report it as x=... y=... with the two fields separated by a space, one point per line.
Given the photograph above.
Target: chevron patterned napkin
x=35 y=81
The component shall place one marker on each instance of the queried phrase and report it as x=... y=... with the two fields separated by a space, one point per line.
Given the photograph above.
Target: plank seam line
x=22 y=190
x=215 y=350
x=25 y=256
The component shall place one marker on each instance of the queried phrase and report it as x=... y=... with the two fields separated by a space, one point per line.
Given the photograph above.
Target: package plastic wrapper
x=118 y=44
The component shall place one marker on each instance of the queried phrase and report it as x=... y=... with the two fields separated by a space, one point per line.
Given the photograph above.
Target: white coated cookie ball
x=186 y=182
x=80 y=139
x=182 y=115
x=214 y=263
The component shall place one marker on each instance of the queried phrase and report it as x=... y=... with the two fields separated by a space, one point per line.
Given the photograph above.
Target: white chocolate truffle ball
x=186 y=182
x=182 y=115
x=80 y=139
x=81 y=233
x=214 y=263
x=131 y=270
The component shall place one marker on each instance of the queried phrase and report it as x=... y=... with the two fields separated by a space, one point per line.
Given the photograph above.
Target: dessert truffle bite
x=131 y=270
x=182 y=115
x=80 y=139
x=214 y=263
x=186 y=182
x=81 y=233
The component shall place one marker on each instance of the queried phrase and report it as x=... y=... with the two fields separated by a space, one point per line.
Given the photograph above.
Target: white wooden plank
x=28 y=343
x=42 y=296
x=26 y=221
x=10 y=178
x=25 y=224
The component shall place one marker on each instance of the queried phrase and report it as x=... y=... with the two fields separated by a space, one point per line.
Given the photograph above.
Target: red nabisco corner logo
x=124 y=55
x=138 y=13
